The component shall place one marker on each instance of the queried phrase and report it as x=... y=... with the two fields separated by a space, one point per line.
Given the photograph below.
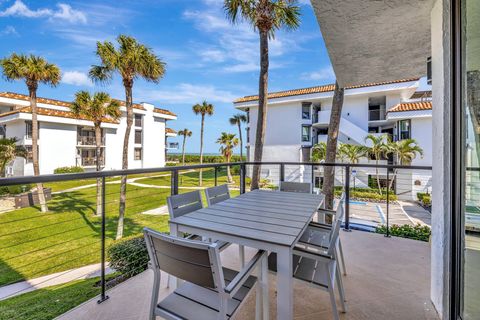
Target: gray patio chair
x=208 y=291
x=318 y=266
x=218 y=194
x=302 y=187
x=316 y=231
x=181 y=204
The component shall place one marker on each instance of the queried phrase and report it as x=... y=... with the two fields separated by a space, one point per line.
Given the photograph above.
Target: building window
x=322 y=131
x=137 y=154
x=306 y=106
x=138 y=136
x=377 y=108
x=305 y=133
x=138 y=120
x=3 y=132
x=28 y=129
x=404 y=129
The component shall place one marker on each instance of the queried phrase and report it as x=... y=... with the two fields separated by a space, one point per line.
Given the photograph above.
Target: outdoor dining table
x=261 y=219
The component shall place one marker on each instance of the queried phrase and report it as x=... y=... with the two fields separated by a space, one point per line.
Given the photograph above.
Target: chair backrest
x=301 y=187
x=193 y=261
x=184 y=203
x=335 y=230
x=217 y=194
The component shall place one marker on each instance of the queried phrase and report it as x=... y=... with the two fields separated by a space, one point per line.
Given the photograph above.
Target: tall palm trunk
x=262 y=108
x=376 y=172
x=333 y=131
x=98 y=144
x=229 y=174
x=200 y=174
x=240 y=138
x=183 y=150
x=123 y=186
x=32 y=90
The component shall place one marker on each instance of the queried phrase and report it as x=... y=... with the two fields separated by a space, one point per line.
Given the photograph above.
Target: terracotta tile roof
x=52 y=113
x=170 y=130
x=59 y=103
x=164 y=111
x=411 y=106
x=318 y=89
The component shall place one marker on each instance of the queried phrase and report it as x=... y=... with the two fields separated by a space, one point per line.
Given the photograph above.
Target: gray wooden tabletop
x=270 y=216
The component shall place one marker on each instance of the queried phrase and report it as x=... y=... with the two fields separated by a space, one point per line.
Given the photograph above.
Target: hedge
x=72 y=169
x=195 y=158
x=367 y=194
x=16 y=189
x=129 y=256
x=417 y=232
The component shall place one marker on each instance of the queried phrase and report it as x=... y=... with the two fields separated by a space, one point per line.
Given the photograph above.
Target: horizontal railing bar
x=112 y=173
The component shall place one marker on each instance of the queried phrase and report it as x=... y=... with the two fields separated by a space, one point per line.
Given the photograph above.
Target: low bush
x=367 y=194
x=72 y=169
x=195 y=158
x=14 y=190
x=425 y=198
x=417 y=232
x=129 y=256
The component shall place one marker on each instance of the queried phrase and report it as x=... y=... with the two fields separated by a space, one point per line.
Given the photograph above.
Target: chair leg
x=341 y=290
x=168 y=281
x=242 y=255
x=264 y=281
x=342 y=257
x=331 y=291
x=156 y=287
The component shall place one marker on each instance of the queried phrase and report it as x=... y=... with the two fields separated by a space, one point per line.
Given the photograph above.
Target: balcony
x=387 y=279
x=323 y=117
x=88 y=141
x=89 y=162
x=377 y=115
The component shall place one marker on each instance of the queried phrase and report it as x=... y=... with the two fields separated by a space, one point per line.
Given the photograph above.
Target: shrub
x=129 y=256
x=72 y=169
x=195 y=158
x=13 y=190
x=367 y=194
x=417 y=232
x=427 y=200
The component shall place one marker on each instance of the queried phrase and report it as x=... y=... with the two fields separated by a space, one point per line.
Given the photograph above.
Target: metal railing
x=88 y=141
x=76 y=207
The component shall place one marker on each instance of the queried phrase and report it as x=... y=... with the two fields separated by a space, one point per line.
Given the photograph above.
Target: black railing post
x=103 y=295
x=243 y=174
x=347 y=198
x=313 y=178
x=174 y=182
x=216 y=176
x=388 y=204
x=282 y=172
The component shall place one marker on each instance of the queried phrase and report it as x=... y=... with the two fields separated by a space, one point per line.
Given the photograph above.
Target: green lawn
x=48 y=303
x=191 y=179
x=33 y=244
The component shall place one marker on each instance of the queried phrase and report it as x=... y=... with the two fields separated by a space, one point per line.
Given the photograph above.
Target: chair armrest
x=319 y=225
x=243 y=275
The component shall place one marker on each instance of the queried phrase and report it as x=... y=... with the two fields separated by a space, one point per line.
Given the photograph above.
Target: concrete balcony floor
x=388 y=278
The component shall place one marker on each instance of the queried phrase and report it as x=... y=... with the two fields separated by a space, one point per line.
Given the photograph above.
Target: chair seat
x=190 y=301
x=317 y=236
x=222 y=244
x=305 y=269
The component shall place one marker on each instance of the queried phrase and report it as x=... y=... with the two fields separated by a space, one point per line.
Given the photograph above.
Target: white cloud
x=213 y=55
x=323 y=74
x=9 y=30
x=76 y=78
x=187 y=93
x=64 y=12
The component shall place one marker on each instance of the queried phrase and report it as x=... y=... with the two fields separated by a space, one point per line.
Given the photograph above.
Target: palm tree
x=131 y=61
x=33 y=70
x=97 y=109
x=377 y=150
x=352 y=153
x=203 y=109
x=332 y=140
x=237 y=120
x=319 y=152
x=9 y=150
x=266 y=16
x=405 y=151
x=185 y=133
x=228 y=142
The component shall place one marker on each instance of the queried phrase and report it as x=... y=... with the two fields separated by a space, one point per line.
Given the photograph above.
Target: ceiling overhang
x=375 y=40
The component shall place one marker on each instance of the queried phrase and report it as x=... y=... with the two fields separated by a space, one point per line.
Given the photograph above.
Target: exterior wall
x=422 y=133
x=441 y=197
x=57 y=146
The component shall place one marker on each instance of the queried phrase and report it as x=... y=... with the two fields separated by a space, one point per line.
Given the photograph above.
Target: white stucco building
x=298 y=119
x=65 y=140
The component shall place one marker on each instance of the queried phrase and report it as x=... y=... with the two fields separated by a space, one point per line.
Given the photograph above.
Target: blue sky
x=207 y=57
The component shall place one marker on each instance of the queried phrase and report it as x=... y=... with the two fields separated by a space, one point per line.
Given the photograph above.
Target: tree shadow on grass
x=74 y=203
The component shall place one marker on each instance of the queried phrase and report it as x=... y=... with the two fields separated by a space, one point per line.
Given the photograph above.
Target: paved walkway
x=86 y=272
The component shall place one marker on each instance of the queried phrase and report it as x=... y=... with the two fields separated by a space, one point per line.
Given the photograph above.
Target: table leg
x=284 y=284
